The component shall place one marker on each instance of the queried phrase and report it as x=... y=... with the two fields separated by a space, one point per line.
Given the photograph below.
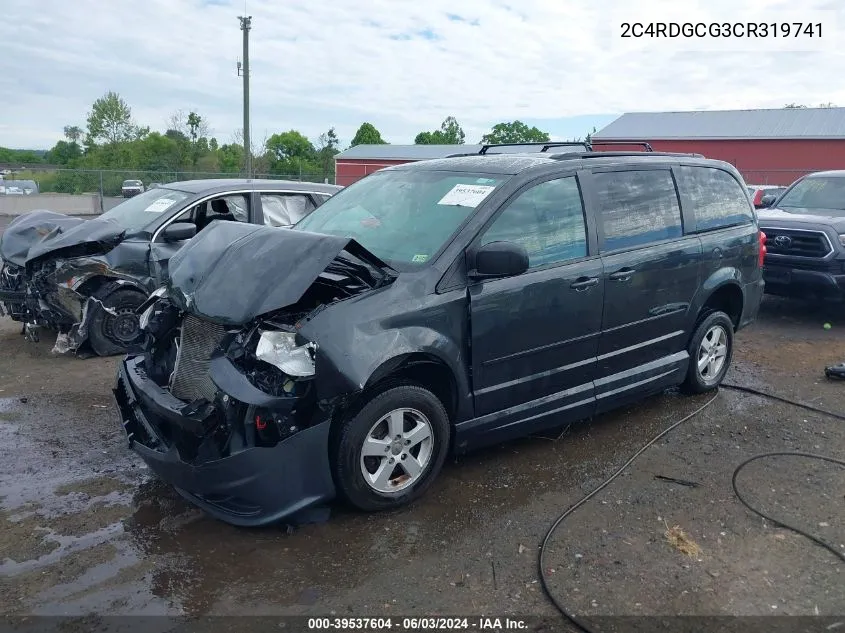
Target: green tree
x=450 y=133
x=110 y=121
x=514 y=132
x=290 y=152
x=231 y=158
x=63 y=153
x=367 y=134
x=590 y=134
x=22 y=156
x=73 y=133
x=327 y=149
x=157 y=152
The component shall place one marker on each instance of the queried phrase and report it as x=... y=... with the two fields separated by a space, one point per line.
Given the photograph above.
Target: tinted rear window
x=637 y=208
x=716 y=198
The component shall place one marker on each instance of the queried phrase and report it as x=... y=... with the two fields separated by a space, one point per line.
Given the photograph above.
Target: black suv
x=433 y=307
x=806 y=238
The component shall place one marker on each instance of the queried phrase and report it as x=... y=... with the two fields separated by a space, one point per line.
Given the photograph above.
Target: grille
x=198 y=340
x=796 y=243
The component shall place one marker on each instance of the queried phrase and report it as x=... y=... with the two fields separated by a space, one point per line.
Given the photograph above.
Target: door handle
x=623 y=274
x=582 y=283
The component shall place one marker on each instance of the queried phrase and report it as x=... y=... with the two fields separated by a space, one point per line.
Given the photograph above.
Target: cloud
x=403 y=65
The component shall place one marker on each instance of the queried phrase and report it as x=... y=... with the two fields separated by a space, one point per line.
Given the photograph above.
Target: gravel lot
x=86 y=529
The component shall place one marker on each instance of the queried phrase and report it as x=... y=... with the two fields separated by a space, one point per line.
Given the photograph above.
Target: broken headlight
x=144 y=321
x=280 y=350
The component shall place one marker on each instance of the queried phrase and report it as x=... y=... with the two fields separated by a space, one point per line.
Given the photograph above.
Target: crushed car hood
x=233 y=272
x=41 y=233
x=829 y=217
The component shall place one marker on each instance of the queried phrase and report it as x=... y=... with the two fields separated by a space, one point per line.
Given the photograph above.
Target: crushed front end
x=226 y=407
x=52 y=268
x=232 y=433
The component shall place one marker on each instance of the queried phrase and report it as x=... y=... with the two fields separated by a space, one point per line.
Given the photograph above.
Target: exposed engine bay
x=239 y=387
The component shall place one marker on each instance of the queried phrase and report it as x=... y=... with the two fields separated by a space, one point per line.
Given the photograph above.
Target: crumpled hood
x=233 y=272
x=40 y=233
x=827 y=217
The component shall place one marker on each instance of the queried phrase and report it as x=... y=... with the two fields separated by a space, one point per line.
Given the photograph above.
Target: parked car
x=806 y=238
x=131 y=188
x=758 y=191
x=429 y=308
x=86 y=278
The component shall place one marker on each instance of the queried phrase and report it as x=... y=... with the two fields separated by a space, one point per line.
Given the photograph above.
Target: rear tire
x=390 y=451
x=710 y=352
x=111 y=334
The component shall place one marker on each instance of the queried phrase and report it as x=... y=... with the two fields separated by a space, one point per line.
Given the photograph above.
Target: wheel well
x=100 y=285
x=727 y=299
x=424 y=370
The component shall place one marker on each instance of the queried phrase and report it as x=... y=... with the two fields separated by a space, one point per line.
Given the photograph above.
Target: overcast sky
x=403 y=65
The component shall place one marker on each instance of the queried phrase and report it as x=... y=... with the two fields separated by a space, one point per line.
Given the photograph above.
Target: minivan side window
x=716 y=197
x=637 y=207
x=547 y=219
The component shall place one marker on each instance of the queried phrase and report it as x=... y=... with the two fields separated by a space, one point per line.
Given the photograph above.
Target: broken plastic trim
x=70 y=342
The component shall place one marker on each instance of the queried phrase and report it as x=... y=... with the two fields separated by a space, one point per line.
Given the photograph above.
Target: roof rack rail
x=578 y=155
x=543 y=145
x=646 y=147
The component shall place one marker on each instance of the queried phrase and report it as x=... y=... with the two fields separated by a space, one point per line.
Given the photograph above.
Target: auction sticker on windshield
x=466 y=195
x=159 y=205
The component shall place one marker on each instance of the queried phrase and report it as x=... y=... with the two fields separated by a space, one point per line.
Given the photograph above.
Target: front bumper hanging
x=253 y=487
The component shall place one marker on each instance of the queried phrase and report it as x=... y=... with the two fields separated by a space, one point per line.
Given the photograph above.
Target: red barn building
x=767 y=146
x=361 y=160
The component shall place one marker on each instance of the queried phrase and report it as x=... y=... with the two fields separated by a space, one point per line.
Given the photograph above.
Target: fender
x=342 y=374
x=88 y=284
x=726 y=276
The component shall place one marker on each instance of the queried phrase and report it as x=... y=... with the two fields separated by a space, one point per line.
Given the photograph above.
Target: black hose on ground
x=541 y=558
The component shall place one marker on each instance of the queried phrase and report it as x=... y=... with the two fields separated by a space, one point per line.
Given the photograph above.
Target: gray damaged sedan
x=85 y=279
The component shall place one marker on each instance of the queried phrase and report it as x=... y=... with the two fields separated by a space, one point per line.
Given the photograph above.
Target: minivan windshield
x=140 y=211
x=816 y=193
x=404 y=217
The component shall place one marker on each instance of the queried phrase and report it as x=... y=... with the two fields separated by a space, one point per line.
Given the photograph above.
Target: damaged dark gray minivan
x=85 y=278
x=431 y=308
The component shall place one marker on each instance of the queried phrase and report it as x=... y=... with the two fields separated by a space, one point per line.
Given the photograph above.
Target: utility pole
x=246 y=25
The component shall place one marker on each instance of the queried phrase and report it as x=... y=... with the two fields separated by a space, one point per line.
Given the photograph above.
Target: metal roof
x=780 y=123
x=419 y=152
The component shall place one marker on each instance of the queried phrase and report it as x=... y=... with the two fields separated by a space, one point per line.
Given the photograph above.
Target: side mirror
x=767 y=201
x=500 y=259
x=179 y=231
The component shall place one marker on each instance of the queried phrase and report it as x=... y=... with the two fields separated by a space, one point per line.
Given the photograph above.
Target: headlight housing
x=280 y=350
x=842 y=240
x=144 y=321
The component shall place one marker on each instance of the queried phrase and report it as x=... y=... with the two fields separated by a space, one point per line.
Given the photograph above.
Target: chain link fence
x=109 y=182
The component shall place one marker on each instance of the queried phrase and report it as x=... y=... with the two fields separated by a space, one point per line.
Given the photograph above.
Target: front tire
x=710 y=352
x=115 y=325
x=391 y=450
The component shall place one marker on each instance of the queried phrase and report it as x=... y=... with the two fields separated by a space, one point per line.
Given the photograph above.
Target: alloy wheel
x=396 y=450
x=712 y=354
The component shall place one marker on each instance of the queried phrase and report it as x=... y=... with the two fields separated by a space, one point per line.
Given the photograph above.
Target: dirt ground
x=85 y=528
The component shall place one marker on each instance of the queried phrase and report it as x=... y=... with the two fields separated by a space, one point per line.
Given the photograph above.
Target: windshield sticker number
x=159 y=205
x=419 y=259
x=466 y=195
